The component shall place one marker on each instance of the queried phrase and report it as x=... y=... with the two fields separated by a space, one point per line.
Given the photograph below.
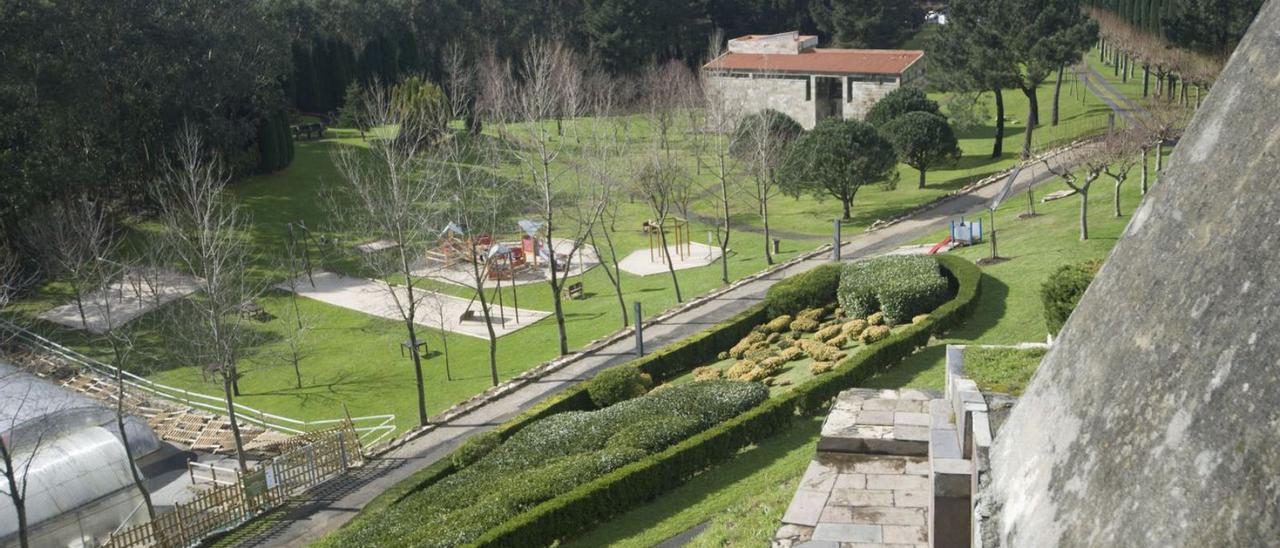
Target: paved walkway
x=336 y=502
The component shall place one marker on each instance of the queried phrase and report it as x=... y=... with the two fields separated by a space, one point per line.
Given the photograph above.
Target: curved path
x=332 y=504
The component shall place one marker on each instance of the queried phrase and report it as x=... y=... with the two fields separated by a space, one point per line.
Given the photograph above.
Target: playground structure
x=511 y=261
x=966 y=233
x=682 y=244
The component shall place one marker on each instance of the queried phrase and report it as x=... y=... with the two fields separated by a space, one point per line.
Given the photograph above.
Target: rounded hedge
x=618 y=384
x=1062 y=290
x=475 y=448
x=899 y=287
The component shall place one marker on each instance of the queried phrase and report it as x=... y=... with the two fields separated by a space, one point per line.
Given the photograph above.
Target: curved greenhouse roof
x=78 y=476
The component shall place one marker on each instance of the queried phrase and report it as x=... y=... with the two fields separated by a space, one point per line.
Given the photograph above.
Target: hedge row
x=579 y=510
x=815 y=288
x=550 y=458
x=664 y=364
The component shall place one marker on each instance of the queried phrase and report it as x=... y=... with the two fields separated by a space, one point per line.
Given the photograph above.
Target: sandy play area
x=371 y=297
x=127 y=298
x=644 y=262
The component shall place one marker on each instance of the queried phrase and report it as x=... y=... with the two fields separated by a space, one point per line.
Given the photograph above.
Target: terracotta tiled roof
x=821 y=60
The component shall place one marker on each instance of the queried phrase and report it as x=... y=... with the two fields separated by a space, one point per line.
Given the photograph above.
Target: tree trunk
x=124 y=440
x=1032 y=120
x=417 y=369
x=724 y=242
x=558 y=307
x=231 y=415
x=845 y=202
x=615 y=281
x=1057 y=90
x=1084 y=214
x=16 y=494
x=997 y=149
x=666 y=253
x=1159 y=155
x=1115 y=199
x=1146 y=78
x=1171 y=88
x=922 y=170
x=768 y=240
x=1124 y=70
x=444 y=345
x=1144 y=171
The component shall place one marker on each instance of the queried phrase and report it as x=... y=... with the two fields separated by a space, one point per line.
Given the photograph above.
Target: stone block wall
x=751 y=95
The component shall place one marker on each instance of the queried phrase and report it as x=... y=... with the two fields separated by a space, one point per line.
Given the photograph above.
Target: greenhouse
x=67 y=450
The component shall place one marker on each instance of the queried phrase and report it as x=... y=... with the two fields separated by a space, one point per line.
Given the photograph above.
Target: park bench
x=573 y=290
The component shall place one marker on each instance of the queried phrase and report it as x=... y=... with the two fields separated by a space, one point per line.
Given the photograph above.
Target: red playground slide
x=940 y=245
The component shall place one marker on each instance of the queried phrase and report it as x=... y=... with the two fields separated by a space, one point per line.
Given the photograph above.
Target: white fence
x=371 y=429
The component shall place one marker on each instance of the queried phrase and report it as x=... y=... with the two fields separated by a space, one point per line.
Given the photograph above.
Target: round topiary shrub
x=475 y=448
x=1062 y=290
x=900 y=287
x=618 y=384
x=874 y=333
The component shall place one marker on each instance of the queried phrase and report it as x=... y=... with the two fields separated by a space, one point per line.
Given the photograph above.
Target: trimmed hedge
x=815 y=288
x=900 y=287
x=615 y=492
x=1062 y=290
x=620 y=490
x=618 y=384
x=549 y=458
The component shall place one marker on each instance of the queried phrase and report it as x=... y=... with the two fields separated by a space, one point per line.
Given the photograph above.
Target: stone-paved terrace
x=869 y=483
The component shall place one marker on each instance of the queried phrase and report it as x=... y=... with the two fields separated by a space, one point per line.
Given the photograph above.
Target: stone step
x=883 y=422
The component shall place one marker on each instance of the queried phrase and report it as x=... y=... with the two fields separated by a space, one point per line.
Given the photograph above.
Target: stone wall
x=862 y=95
x=750 y=95
x=1155 y=419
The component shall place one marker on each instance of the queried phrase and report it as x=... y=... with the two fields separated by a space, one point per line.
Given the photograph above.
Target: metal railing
x=371 y=429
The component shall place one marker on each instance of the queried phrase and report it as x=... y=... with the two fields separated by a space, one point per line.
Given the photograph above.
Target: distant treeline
x=1208 y=26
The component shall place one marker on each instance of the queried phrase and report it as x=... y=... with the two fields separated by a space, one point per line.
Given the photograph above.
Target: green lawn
x=1001 y=369
x=354 y=359
x=741 y=501
x=1009 y=309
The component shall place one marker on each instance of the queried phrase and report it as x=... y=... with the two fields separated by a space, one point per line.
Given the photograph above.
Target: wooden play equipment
x=683 y=242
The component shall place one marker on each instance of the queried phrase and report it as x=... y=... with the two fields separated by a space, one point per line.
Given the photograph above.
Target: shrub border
x=609 y=495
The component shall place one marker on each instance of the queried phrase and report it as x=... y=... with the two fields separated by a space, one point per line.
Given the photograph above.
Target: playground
x=504 y=262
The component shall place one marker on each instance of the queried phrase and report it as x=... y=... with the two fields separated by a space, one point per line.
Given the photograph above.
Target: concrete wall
x=861 y=95
x=751 y=95
x=1155 y=418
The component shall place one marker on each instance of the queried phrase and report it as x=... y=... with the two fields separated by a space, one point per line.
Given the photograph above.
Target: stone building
x=787 y=72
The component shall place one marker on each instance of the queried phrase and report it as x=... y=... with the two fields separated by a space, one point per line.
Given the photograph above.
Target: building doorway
x=828 y=98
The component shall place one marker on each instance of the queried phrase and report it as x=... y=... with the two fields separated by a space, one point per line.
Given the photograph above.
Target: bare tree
x=721 y=115
x=387 y=194
x=1093 y=167
x=657 y=173
x=1161 y=122
x=439 y=310
x=602 y=147
x=476 y=203
x=204 y=234
x=121 y=341
x=762 y=142
x=70 y=237
x=549 y=84
x=20 y=445
x=16 y=452
x=1123 y=150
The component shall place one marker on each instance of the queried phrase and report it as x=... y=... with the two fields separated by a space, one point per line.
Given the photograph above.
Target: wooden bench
x=573 y=291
